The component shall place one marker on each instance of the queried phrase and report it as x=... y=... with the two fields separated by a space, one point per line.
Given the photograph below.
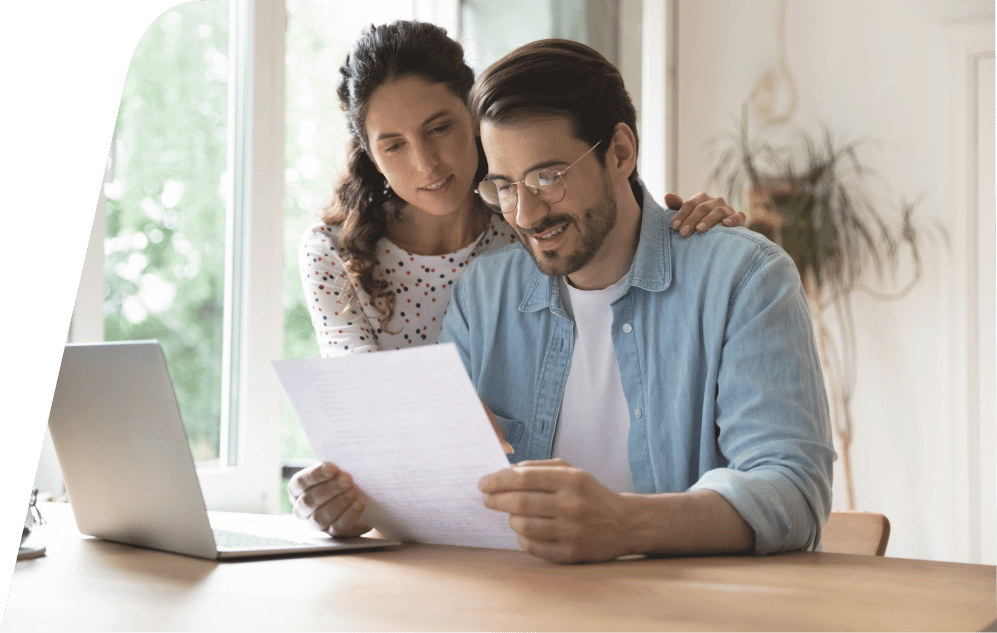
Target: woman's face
x=422 y=140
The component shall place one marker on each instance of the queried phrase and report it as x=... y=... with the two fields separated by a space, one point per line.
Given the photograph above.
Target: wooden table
x=88 y=584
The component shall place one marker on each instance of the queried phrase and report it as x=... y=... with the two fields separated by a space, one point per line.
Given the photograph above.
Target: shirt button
x=637 y=413
x=627 y=328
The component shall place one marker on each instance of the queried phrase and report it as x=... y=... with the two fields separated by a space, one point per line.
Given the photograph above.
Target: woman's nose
x=426 y=158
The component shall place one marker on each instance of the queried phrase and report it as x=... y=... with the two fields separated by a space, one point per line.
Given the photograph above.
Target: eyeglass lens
x=544 y=184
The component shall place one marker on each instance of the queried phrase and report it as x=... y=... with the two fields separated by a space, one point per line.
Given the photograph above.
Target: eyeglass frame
x=560 y=174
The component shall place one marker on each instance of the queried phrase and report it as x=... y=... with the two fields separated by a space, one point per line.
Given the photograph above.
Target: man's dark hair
x=559 y=77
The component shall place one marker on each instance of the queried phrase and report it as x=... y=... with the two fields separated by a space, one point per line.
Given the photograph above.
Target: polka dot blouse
x=344 y=319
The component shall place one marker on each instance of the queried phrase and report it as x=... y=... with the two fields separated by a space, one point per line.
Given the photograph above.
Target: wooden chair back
x=856 y=533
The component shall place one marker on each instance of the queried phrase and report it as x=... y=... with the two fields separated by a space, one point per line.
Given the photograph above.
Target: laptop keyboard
x=224 y=539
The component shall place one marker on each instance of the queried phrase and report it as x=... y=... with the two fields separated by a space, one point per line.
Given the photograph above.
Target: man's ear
x=622 y=154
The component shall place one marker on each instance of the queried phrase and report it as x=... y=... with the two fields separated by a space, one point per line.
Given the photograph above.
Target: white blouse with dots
x=345 y=321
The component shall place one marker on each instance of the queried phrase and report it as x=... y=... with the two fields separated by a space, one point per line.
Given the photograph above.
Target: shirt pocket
x=512 y=429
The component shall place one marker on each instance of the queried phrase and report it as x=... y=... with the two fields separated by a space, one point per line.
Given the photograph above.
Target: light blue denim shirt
x=718 y=363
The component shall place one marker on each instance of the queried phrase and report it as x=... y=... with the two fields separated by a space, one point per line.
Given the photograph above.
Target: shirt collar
x=651 y=269
x=652 y=266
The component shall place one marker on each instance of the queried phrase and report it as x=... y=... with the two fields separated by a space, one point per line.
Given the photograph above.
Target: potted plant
x=815 y=198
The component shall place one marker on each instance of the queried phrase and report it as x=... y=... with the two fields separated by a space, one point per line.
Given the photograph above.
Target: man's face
x=567 y=237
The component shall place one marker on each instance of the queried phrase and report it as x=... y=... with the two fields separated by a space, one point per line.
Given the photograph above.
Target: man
x=675 y=382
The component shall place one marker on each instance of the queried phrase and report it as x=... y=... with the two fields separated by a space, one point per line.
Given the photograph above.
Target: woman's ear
x=622 y=155
x=374 y=160
x=369 y=151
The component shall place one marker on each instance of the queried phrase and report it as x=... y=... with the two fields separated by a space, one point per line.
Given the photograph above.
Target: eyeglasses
x=546 y=185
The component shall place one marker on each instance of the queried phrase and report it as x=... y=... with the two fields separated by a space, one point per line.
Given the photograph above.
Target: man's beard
x=596 y=224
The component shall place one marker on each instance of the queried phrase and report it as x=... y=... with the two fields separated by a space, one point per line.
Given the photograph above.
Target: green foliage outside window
x=165 y=244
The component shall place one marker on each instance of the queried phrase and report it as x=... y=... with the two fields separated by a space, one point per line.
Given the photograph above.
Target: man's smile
x=548 y=234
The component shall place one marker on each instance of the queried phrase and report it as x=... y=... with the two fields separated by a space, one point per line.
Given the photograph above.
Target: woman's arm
x=334 y=301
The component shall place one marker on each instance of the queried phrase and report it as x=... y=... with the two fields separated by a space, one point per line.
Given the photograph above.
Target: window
x=192 y=194
x=166 y=196
x=228 y=135
x=490 y=29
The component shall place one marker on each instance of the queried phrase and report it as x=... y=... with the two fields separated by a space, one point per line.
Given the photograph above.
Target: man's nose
x=529 y=209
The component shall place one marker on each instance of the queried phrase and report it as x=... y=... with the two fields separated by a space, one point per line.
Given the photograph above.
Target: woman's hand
x=701 y=213
x=327 y=498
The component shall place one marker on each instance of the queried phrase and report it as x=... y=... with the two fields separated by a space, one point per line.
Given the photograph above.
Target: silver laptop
x=128 y=467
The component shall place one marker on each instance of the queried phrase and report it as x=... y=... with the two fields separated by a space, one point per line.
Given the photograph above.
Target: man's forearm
x=697 y=522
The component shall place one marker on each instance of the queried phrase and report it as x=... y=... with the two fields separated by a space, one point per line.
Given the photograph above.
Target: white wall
x=881 y=68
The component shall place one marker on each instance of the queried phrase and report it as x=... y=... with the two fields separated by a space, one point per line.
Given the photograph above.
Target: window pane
x=491 y=29
x=319 y=34
x=165 y=244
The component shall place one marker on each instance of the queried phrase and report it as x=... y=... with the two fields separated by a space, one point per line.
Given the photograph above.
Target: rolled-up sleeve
x=772 y=411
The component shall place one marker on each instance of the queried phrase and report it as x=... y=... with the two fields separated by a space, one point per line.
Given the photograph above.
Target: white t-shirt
x=343 y=318
x=594 y=423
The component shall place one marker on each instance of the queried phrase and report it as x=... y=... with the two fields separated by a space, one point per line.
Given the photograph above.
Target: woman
x=405 y=221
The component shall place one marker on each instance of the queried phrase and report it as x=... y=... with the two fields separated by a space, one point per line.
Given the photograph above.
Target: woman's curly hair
x=362 y=204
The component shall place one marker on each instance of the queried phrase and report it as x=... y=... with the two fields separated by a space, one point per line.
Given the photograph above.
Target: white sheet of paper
x=409 y=427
